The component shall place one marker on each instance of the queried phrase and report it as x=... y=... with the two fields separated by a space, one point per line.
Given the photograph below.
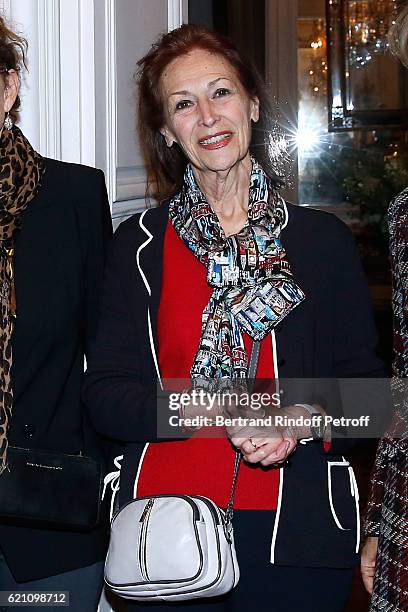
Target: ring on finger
x=252 y=442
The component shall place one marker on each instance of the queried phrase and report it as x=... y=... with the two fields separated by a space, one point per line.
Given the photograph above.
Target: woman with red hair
x=222 y=262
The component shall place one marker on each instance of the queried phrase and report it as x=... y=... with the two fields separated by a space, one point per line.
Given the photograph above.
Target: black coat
x=59 y=258
x=331 y=334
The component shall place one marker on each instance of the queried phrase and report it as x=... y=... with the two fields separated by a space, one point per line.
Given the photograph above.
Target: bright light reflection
x=307 y=139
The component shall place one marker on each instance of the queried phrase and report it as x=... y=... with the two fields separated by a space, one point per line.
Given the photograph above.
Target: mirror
x=367 y=87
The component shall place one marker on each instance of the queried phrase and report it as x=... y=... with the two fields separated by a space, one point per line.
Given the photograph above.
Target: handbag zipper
x=194 y=507
x=147 y=510
x=144 y=519
x=210 y=507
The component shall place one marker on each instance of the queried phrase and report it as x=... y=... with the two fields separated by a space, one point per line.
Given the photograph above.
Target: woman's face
x=207 y=111
x=9 y=86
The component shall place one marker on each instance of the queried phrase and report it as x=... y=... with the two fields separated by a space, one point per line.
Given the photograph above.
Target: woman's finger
x=251 y=445
x=274 y=448
x=238 y=442
x=368 y=560
x=292 y=445
x=277 y=457
x=367 y=574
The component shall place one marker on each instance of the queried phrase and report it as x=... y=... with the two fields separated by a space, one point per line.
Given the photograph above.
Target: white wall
x=58 y=91
x=78 y=99
x=135 y=30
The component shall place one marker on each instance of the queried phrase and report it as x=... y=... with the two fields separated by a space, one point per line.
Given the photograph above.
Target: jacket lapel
x=149 y=260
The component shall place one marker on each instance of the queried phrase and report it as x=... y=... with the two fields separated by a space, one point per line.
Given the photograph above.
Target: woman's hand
x=267 y=444
x=368 y=559
x=265 y=450
x=270 y=445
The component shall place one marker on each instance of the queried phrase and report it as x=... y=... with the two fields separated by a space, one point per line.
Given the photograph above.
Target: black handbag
x=50 y=490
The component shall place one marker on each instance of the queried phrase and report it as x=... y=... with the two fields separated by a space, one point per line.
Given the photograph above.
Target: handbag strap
x=252 y=368
x=253 y=361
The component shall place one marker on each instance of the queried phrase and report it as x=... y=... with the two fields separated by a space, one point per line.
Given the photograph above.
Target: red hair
x=165 y=166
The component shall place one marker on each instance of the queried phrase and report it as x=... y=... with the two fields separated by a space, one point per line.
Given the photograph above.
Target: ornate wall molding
x=77 y=80
x=5 y=8
x=49 y=78
x=130 y=182
x=58 y=92
x=177 y=13
x=111 y=100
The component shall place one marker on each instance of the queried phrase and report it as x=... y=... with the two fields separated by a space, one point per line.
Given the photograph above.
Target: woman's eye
x=222 y=91
x=182 y=104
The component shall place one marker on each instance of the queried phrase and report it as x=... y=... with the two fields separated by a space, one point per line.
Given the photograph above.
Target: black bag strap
x=253 y=361
x=252 y=368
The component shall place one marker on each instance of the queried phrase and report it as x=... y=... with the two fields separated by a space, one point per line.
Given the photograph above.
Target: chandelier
x=318 y=61
x=368 y=24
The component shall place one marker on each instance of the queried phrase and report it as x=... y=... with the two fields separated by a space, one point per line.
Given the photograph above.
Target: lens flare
x=307 y=139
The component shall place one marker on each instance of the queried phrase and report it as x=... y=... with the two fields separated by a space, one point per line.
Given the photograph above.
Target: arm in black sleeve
x=121 y=400
x=95 y=225
x=95 y=233
x=355 y=338
x=355 y=341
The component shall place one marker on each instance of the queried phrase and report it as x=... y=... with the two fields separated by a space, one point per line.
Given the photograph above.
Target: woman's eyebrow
x=184 y=92
x=212 y=83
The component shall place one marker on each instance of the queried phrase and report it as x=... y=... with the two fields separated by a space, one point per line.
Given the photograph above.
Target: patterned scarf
x=21 y=169
x=253 y=286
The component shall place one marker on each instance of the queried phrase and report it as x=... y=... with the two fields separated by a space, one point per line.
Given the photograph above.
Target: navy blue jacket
x=331 y=334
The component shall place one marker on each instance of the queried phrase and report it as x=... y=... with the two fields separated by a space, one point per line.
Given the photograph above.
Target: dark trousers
x=264 y=587
x=84 y=586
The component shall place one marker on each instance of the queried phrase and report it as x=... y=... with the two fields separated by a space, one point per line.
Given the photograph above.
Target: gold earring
x=8 y=122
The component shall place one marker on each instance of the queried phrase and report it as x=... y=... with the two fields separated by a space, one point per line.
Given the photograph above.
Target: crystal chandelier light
x=368 y=24
x=318 y=64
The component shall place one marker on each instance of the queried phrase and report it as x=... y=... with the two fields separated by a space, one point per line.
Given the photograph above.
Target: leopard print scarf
x=21 y=170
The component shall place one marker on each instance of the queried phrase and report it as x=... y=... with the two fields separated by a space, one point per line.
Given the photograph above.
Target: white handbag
x=175 y=547
x=172 y=548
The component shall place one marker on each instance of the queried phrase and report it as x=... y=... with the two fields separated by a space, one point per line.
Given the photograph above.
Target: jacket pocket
x=306 y=533
x=343 y=497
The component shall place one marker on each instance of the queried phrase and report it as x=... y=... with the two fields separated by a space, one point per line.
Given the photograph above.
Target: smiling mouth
x=217 y=140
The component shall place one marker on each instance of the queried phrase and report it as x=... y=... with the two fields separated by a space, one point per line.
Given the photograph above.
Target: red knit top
x=198 y=466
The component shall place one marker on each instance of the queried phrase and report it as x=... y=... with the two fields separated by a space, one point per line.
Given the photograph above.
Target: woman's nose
x=208 y=116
